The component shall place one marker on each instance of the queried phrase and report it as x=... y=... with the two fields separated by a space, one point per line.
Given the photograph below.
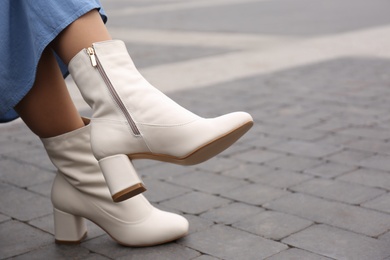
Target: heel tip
x=128 y=192
x=67 y=242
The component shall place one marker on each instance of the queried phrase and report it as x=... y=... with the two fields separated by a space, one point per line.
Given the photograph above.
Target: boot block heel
x=121 y=178
x=68 y=229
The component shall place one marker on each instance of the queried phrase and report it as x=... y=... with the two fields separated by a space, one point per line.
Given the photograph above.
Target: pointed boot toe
x=197 y=141
x=161 y=227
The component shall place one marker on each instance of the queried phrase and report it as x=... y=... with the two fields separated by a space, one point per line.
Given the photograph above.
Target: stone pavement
x=311 y=180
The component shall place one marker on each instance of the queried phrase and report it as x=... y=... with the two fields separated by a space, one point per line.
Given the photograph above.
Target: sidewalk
x=311 y=180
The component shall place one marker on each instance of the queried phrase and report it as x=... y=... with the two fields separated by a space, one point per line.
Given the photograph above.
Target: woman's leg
x=86 y=30
x=48 y=109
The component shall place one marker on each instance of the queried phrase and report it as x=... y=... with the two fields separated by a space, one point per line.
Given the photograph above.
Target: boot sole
x=65 y=242
x=204 y=152
x=77 y=242
x=128 y=193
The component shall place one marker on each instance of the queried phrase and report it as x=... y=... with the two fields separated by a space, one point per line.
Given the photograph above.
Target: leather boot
x=79 y=192
x=134 y=120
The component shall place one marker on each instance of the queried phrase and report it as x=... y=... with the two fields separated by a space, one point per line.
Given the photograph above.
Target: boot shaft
x=109 y=80
x=71 y=154
x=80 y=184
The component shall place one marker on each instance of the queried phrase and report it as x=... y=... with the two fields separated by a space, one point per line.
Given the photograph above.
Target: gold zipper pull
x=91 y=53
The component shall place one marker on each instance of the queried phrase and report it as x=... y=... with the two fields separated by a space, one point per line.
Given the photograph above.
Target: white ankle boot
x=79 y=191
x=133 y=119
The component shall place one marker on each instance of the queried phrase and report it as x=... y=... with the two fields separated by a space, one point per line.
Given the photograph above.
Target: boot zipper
x=96 y=63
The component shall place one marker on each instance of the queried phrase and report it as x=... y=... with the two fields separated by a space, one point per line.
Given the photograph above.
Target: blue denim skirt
x=26 y=28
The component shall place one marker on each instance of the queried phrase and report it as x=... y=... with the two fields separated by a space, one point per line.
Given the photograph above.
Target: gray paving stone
x=377 y=162
x=307 y=149
x=255 y=194
x=93 y=230
x=332 y=125
x=257 y=156
x=105 y=246
x=161 y=171
x=9 y=146
x=353 y=218
x=197 y=223
x=43 y=188
x=246 y=171
x=164 y=252
x=158 y=191
x=368 y=177
x=208 y=182
x=338 y=190
x=4 y=218
x=195 y=202
x=294 y=163
x=338 y=244
x=273 y=225
x=28 y=138
x=142 y=164
x=23 y=174
x=293 y=133
x=160 y=206
x=34 y=155
x=23 y=205
x=265 y=141
x=18 y=238
x=19 y=132
x=217 y=164
x=93 y=256
x=54 y=251
x=368 y=132
x=229 y=243
x=14 y=128
x=295 y=120
x=239 y=147
x=231 y=213
x=349 y=157
x=206 y=257
x=385 y=237
x=384 y=124
x=251 y=136
x=297 y=254
x=301 y=119
x=280 y=178
x=330 y=170
x=338 y=139
x=4 y=139
x=381 y=203
x=45 y=223
x=287 y=112
x=373 y=146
